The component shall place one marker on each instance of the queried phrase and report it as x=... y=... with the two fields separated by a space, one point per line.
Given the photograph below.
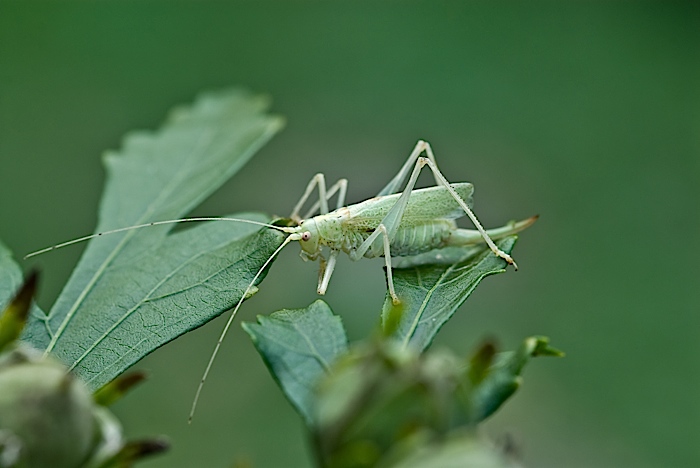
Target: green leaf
x=299 y=346
x=381 y=395
x=15 y=315
x=136 y=290
x=117 y=388
x=11 y=280
x=10 y=275
x=382 y=400
x=430 y=294
x=503 y=377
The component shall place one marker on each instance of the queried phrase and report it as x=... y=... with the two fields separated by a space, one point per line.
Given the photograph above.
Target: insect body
x=406 y=224
x=425 y=224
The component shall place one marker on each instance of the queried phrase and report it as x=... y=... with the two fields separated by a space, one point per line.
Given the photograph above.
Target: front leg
x=324 y=274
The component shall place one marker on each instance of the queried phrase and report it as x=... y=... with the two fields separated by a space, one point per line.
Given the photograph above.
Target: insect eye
x=306 y=236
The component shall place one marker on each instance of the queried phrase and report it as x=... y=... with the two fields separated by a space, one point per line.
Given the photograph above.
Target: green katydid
x=414 y=224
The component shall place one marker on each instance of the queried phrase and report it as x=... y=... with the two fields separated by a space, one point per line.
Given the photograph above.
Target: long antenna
x=292 y=237
x=155 y=223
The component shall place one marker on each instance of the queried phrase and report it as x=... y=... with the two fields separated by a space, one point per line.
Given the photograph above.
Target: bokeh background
x=586 y=113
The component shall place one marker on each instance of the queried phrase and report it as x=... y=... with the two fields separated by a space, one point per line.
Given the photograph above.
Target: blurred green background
x=586 y=113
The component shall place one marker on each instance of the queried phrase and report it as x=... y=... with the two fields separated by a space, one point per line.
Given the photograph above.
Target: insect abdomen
x=408 y=240
x=421 y=238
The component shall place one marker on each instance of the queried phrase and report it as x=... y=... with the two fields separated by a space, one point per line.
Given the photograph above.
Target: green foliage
x=385 y=402
x=430 y=294
x=48 y=416
x=47 y=411
x=10 y=275
x=299 y=347
x=16 y=313
x=137 y=290
x=116 y=389
x=11 y=281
